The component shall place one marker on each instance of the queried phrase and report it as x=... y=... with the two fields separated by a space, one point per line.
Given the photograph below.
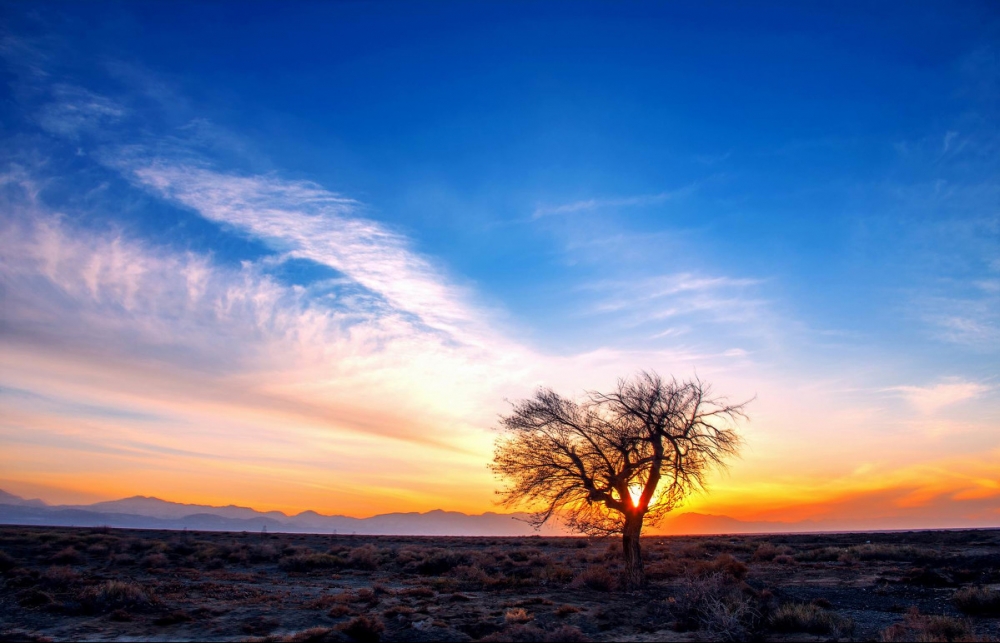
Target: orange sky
x=110 y=426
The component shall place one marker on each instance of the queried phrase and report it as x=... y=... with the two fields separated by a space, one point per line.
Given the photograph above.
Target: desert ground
x=116 y=584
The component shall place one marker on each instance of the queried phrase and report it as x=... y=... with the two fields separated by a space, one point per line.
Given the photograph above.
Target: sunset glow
x=271 y=263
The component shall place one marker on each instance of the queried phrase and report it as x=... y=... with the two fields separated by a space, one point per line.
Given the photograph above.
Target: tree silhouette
x=614 y=461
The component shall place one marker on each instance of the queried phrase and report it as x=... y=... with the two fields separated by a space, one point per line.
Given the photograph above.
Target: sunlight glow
x=635 y=493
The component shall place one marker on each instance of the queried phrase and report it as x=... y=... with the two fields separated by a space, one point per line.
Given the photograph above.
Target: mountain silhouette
x=142 y=512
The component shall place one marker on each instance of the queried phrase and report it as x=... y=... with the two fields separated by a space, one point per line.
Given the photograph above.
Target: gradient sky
x=296 y=256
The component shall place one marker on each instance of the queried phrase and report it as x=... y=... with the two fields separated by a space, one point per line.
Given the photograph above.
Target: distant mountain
x=11 y=499
x=156 y=508
x=140 y=512
x=708 y=524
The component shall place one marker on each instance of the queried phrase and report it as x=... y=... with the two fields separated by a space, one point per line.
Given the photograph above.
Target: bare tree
x=614 y=461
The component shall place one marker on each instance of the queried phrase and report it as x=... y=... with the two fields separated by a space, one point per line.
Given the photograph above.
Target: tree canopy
x=612 y=462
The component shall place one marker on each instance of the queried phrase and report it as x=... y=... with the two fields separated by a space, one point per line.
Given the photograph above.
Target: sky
x=302 y=256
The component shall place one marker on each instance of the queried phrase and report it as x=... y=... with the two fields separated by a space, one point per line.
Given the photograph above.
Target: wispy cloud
x=641 y=200
x=239 y=365
x=929 y=399
x=683 y=298
x=302 y=220
x=73 y=110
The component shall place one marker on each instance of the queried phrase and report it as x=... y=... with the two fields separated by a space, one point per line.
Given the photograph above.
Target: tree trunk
x=633 y=575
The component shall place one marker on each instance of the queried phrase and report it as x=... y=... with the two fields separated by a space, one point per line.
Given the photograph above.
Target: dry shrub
x=785 y=559
x=67 y=556
x=397 y=610
x=765 y=553
x=479 y=577
x=363 y=595
x=98 y=550
x=417 y=592
x=410 y=555
x=697 y=550
x=155 y=561
x=364 y=628
x=918 y=627
x=597 y=578
x=21 y=577
x=518 y=556
x=664 y=569
x=565 y=610
x=977 y=601
x=339 y=611
x=123 y=560
x=60 y=576
x=239 y=556
x=556 y=574
x=892 y=552
x=115 y=594
x=732 y=617
x=309 y=562
x=439 y=561
x=613 y=551
x=173 y=618
x=326 y=600
x=723 y=564
x=847 y=558
x=721 y=605
x=263 y=553
x=7 y=562
x=365 y=557
x=926 y=578
x=366 y=595
x=819 y=555
x=811 y=619
x=35 y=598
x=517 y=616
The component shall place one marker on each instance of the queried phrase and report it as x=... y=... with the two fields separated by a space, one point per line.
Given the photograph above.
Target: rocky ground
x=104 y=584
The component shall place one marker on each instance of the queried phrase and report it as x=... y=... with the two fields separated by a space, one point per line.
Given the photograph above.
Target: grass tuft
x=810 y=619
x=977 y=601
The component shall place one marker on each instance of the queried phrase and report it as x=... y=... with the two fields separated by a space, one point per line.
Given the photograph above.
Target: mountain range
x=141 y=512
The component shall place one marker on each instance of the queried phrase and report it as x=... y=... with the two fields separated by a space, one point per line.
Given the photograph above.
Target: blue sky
x=784 y=198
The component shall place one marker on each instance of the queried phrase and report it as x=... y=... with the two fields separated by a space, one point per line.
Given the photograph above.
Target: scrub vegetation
x=68 y=584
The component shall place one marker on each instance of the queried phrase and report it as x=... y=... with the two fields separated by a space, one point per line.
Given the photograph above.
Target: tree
x=614 y=461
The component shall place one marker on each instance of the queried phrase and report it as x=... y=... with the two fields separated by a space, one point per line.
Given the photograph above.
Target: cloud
x=231 y=336
x=970 y=320
x=356 y=384
x=656 y=299
x=929 y=399
x=302 y=220
x=74 y=110
x=621 y=202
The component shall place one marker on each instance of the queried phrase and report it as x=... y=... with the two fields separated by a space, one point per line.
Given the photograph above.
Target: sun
x=635 y=493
